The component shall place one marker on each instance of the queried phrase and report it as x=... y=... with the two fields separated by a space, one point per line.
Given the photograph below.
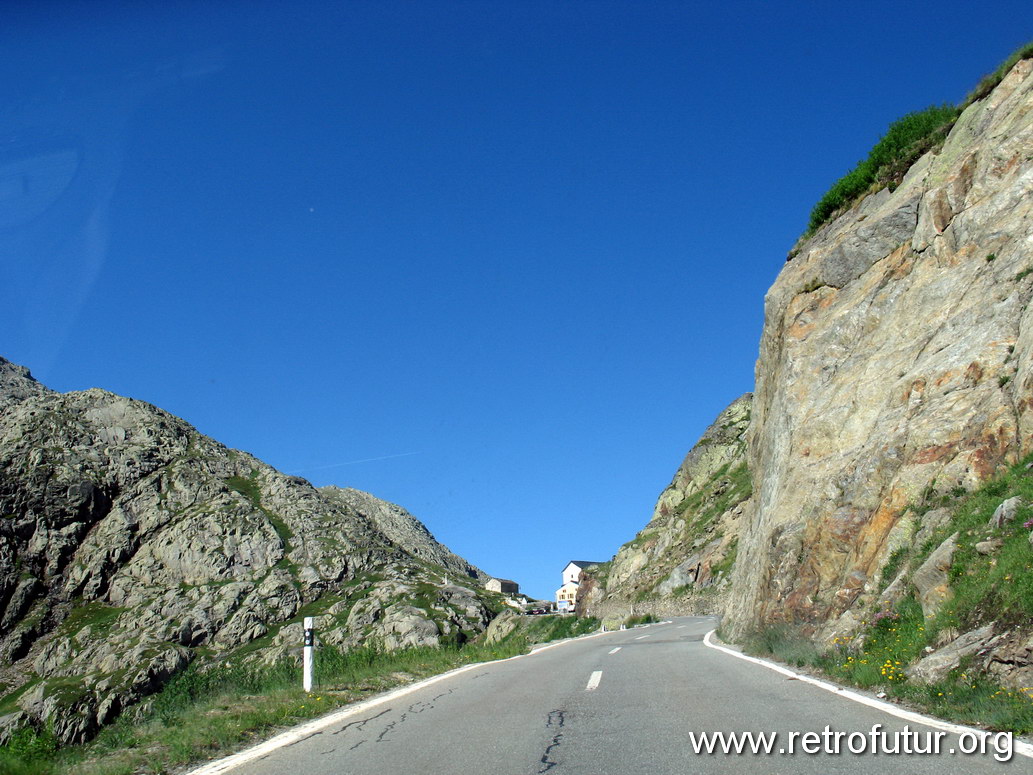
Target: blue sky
x=511 y=256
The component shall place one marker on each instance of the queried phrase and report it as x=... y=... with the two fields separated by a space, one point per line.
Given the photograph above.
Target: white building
x=504 y=586
x=566 y=595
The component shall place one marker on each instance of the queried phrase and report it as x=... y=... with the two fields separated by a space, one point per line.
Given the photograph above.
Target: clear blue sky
x=498 y=262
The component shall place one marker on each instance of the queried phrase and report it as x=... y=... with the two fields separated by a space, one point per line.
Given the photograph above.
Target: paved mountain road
x=618 y=703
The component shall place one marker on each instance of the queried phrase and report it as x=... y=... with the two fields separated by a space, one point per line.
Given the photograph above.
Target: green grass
x=985 y=587
x=989 y=82
x=640 y=619
x=905 y=141
x=247 y=487
x=783 y=641
x=544 y=629
x=893 y=563
x=97 y=616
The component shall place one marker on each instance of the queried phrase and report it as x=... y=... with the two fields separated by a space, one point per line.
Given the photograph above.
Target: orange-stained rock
x=896 y=362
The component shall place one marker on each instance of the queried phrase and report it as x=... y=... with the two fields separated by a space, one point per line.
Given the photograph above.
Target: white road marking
x=593 y=682
x=616 y=650
x=1024 y=749
x=640 y=637
x=681 y=626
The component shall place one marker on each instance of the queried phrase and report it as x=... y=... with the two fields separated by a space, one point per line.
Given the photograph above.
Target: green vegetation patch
x=544 y=629
x=640 y=619
x=9 y=702
x=97 y=616
x=997 y=586
x=247 y=487
x=990 y=82
x=906 y=140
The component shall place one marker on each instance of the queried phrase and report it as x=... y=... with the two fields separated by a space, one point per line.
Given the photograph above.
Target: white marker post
x=307 y=665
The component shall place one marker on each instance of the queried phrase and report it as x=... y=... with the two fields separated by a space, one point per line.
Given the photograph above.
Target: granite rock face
x=895 y=360
x=132 y=545
x=679 y=563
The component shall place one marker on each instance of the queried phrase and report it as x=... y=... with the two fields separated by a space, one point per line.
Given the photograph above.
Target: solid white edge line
x=1019 y=747
x=309 y=728
x=593 y=680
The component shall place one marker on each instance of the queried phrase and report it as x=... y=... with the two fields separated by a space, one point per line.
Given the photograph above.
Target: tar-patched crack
x=360 y=724
x=303 y=739
x=554 y=722
x=382 y=736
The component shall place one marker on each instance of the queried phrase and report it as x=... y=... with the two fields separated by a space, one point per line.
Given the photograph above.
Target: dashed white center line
x=616 y=650
x=640 y=637
x=682 y=626
x=593 y=682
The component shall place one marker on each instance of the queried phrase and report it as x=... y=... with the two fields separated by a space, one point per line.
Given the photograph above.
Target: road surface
x=616 y=704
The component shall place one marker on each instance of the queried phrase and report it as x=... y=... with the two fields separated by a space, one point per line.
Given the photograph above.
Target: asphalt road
x=618 y=703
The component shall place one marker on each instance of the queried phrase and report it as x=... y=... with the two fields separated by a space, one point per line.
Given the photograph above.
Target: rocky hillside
x=895 y=366
x=404 y=530
x=680 y=562
x=131 y=545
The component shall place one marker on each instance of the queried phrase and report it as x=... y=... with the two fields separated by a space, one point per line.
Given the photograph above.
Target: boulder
x=931 y=580
x=989 y=546
x=1010 y=661
x=1006 y=512
x=937 y=665
x=501 y=626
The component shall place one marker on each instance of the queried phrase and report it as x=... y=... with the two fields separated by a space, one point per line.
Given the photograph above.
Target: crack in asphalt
x=303 y=739
x=555 y=720
x=388 y=728
x=362 y=723
x=417 y=707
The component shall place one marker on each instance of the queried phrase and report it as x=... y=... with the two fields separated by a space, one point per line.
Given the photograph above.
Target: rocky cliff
x=895 y=366
x=132 y=545
x=680 y=562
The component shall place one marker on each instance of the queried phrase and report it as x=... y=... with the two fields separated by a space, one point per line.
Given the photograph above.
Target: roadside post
x=306 y=679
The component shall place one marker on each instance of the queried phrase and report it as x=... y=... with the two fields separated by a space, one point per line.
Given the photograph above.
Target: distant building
x=503 y=586
x=566 y=595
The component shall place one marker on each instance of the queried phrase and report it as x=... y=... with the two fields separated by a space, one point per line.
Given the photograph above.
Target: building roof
x=504 y=581
x=583 y=563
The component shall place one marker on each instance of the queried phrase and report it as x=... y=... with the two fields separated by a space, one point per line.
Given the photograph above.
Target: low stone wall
x=614 y=612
